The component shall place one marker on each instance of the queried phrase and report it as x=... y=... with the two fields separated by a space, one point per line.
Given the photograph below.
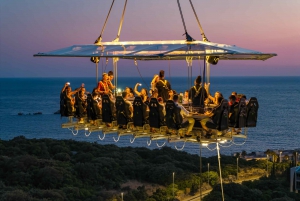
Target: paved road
x=204 y=193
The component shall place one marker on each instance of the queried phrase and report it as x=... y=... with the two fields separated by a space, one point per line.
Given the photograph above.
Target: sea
x=278 y=125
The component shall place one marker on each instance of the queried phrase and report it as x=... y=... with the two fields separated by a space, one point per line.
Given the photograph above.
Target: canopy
x=158 y=50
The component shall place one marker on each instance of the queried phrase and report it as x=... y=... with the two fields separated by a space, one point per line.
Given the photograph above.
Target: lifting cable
x=137 y=67
x=106 y=62
x=187 y=36
x=99 y=39
x=169 y=70
x=200 y=27
x=121 y=23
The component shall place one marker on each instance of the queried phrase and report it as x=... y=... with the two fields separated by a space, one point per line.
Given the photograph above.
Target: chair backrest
x=139 y=112
x=220 y=117
x=107 y=112
x=122 y=111
x=63 y=104
x=156 y=117
x=90 y=109
x=224 y=120
x=252 y=109
x=170 y=114
x=242 y=114
x=173 y=116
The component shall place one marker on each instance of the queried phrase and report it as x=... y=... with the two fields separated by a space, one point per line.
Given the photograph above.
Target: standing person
x=103 y=87
x=197 y=93
x=154 y=82
x=163 y=86
x=109 y=82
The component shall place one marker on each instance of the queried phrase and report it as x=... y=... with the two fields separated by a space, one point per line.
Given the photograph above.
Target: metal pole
x=207 y=72
x=115 y=69
x=122 y=196
x=173 y=184
x=267 y=166
x=208 y=173
x=237 y=168
x=219 y=160
x=280 y=156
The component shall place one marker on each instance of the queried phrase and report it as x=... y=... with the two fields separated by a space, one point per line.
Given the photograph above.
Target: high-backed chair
x=140 y=114
x=80 y=106
x=174 y=119
x=220 y=118
x=156 y=116
x=66 y=108
x=107 y=109
x=122 y=111
x=252 y=108
x=242 y=114
x=93 y=111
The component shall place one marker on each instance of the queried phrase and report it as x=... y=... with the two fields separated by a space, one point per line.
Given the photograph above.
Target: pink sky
x=37 y=26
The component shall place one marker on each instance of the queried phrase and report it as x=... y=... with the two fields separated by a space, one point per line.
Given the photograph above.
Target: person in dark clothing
x=198 y=93
x=163 y=86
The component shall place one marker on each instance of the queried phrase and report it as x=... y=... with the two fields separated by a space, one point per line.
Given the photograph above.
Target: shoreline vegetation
x=49 y=169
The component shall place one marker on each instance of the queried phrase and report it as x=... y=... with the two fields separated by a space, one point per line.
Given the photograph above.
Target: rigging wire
x=239 y=144
x=121 y=23
x=99 y=39
x=187 y=36
x=169 y=70
x=200 y=27
x=105 y=66
x=137 y=67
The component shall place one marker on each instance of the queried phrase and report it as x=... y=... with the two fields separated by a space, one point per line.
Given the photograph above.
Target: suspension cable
x=121 y=23
x=201 y=30
x=169 y=68
x=137 y=67
x=99 y=39
x=187 y=36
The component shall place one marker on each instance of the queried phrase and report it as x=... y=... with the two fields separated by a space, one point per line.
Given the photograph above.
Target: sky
x=31 y=26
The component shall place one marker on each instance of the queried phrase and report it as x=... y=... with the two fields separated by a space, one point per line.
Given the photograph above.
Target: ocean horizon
x=277 y=126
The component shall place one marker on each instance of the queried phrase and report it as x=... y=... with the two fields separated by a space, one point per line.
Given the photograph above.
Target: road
x=204 y=193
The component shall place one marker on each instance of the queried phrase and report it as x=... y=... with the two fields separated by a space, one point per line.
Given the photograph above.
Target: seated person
x=125 y=96
x=81 y=104
x=143 y=93
x=185 y=117
x=185 y=99
x=96 y=106
x=161 y=102
x=215 y=100
x=171 y=94
x=130 y=92
x=154 y=94
x=209 y=116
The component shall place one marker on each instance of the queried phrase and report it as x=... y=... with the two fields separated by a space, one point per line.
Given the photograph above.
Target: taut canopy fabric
x=158 y=50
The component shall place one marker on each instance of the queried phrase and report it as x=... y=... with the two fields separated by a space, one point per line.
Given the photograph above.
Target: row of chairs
x=144 y=120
